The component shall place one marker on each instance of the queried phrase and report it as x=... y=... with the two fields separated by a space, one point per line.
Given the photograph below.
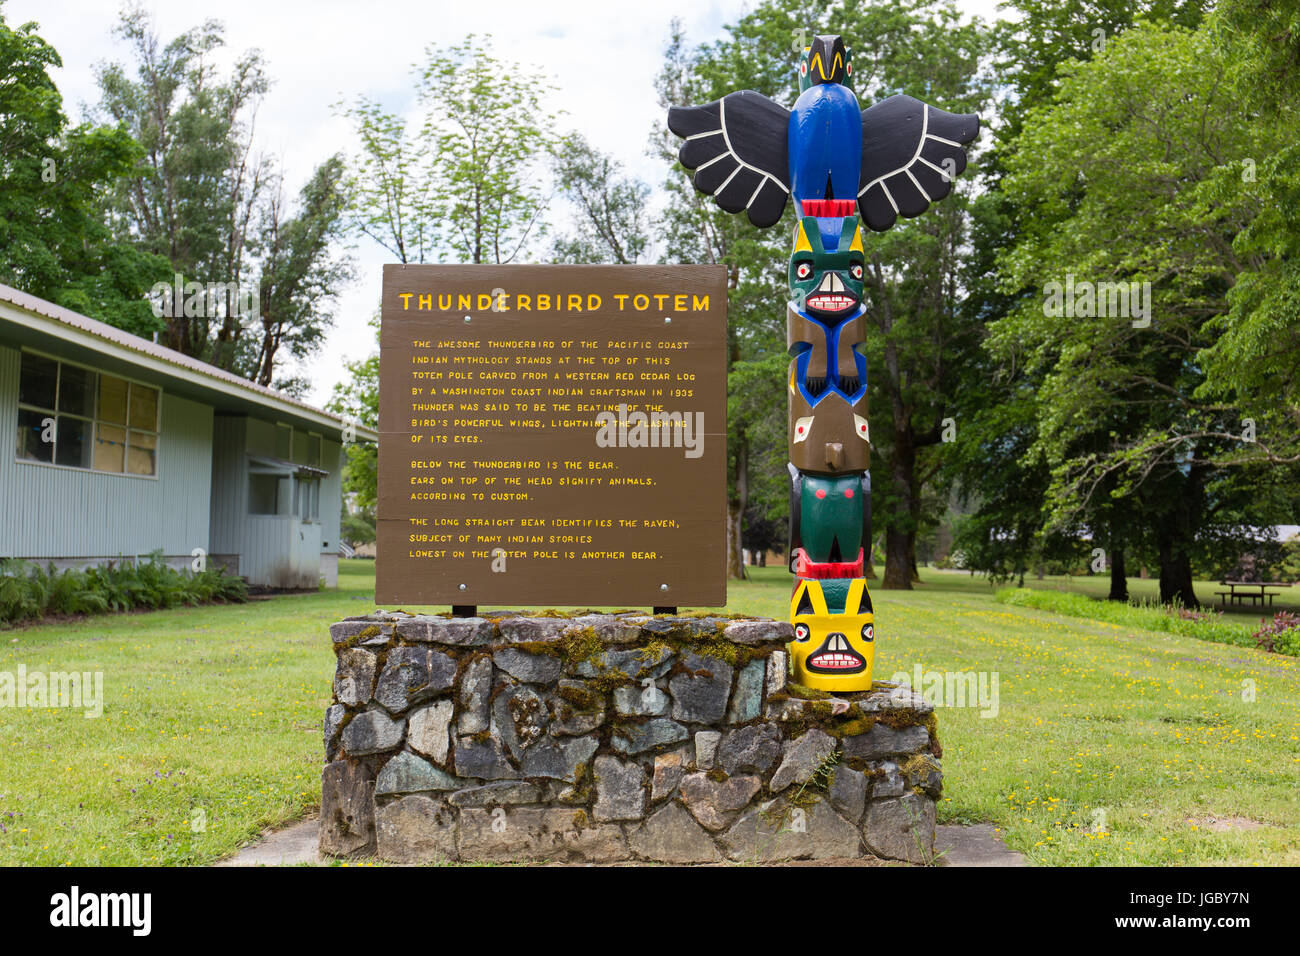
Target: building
x=124 y=447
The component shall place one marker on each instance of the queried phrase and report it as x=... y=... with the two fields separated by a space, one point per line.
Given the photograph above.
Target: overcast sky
x=603 y=55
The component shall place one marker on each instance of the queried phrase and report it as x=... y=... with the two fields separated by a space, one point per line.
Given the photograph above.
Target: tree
x=204 y=201
x=194 y=196
x=1121 y=398
x=299 y=273
x=357 y=399
x=694 y=230
x=612 y=222
x=466 y=184
x=993 y=458
x=53 y=230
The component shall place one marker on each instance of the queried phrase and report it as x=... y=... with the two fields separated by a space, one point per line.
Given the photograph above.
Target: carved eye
x=855 y=270
x=868 y=633
x=803 y=270
x=801 y=632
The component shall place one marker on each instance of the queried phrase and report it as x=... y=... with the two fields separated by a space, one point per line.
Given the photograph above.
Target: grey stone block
x=801 y=759
x=347 y=809
x=700 y=693
x=526 y=833
x=416 y=829
x=901 y=828
x=372 y=732
x=638 y=738
x=671 y=835
x=715 y=803
x=413 y=674
x=882 y=741
x=474 y=694
x=751 y=749
x=747 y=698
x=354 y=676
x=620 y=790
x=530 y=668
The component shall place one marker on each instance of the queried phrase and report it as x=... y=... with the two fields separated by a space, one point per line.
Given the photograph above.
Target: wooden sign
x=552 y=435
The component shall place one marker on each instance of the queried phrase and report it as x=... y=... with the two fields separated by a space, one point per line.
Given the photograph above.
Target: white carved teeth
x=829 y=659
x=830 y=302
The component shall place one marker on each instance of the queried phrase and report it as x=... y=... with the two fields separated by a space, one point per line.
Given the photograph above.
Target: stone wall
x=602 y=738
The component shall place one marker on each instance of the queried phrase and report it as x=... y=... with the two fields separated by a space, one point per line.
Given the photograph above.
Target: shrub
x=1280 y=635
x=29 y=592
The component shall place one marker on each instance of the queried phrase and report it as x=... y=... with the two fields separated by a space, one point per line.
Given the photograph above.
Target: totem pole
x=843 y=166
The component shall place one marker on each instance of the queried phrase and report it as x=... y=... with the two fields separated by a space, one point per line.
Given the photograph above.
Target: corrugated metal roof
x=144 y=347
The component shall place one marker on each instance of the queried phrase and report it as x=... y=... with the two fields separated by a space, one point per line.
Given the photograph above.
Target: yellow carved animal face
x=832 y=651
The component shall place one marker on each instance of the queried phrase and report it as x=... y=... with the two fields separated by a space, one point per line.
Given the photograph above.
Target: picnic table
x=1239 y=591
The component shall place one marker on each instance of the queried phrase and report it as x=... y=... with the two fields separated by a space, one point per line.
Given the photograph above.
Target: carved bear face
x=826 y=267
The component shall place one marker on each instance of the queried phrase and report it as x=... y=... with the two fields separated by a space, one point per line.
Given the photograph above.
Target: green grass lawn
x=1110 y=745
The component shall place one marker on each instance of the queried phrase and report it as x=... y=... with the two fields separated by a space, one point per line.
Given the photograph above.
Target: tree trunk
x=735 y=554
x=1175 y=573
x=900 y=545
x=735 y=513
x=898 y=567
x=1118 y=578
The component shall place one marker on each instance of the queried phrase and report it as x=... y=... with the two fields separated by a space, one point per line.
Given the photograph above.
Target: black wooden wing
x=737 y=148
x=910 y=154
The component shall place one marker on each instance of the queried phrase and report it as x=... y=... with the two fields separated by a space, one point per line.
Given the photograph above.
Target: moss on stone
x=552 y=648
x=806 y=693
x=609 y=679
x=899 y=719
x=583 y=698
x=580 y=644
x=852 y=727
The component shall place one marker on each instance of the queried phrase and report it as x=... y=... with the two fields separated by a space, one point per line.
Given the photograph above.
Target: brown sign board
x=552 y=435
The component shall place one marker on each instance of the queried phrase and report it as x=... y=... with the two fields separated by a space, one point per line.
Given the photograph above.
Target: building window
x=307 y=499
x=266 y=493
x=79 y=418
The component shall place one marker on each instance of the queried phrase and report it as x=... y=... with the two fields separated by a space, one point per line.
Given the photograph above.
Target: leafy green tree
x=467 y=184
x=1031 y=47
x=54 y=235
x=694 y=230
x=194 y=196
x=201 y=199
x=1150 y=120
x=356 y=398
x=1257 y=348
x=612 y=222
x=300 y=273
